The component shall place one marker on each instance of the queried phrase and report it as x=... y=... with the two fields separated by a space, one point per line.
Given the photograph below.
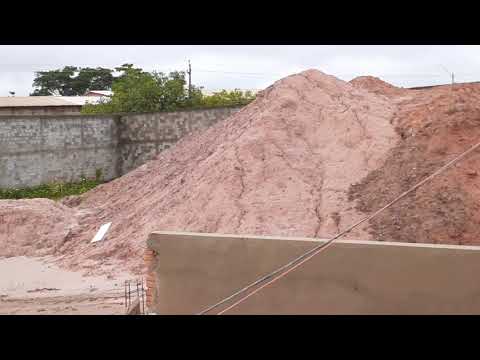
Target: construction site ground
x=309 y=157
x=34 y=286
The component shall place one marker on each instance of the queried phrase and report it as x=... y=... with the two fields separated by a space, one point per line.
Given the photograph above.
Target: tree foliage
x=228 y=98
x=71 y=81
x=135 y=90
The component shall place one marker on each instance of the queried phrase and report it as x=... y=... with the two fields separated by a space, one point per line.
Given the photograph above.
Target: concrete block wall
x=40 y=110
x=143 y=136
x=40 y=149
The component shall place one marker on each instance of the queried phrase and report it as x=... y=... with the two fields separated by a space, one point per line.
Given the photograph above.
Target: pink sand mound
x=34 y=227
x=377 y=86
x=280 y=166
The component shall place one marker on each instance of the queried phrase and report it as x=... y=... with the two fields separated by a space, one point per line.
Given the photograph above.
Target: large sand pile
x=310 y=156
x=377 y=86
x=281 y=166
x=435 y=125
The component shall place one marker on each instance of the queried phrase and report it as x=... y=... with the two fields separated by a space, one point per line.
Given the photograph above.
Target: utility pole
x=453 y=81
x=189 y=80
x=450 y=73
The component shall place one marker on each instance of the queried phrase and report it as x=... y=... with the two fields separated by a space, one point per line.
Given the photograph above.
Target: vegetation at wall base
x=54 y=191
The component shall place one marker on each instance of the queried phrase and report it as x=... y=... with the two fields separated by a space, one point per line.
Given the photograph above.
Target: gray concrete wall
x=36 y=150
x=143 y=136
x=41 y=110
x=41 y=149
x=189 y=272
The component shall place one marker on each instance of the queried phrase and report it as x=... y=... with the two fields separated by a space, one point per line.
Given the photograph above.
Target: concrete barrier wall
x=41 y=149
x=143 y=136
x=189 y=272
x=40 y=110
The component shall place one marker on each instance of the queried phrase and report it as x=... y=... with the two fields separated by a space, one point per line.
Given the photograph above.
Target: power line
x=244 y=73
x=237 y=72
x=212 y=70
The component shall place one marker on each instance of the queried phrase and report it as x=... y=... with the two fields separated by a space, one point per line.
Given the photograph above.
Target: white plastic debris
x=101 y=232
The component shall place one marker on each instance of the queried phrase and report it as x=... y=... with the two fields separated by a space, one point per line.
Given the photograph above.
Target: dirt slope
x=435 y=126
x=33 y=227
x=310 y=156
x=377 y=86
x=281 y=166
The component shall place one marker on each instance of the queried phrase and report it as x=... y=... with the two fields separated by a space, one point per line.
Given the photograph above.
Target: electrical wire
x=405 y=75
x=295 y=263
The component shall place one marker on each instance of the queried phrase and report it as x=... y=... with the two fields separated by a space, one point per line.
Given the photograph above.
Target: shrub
x=52 y=191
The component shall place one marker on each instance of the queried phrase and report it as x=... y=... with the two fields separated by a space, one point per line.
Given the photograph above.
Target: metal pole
x=143 y=299
x=125 y=287
x=129 y=302
x=189 y=80
x=138 y=291
x=453 y=95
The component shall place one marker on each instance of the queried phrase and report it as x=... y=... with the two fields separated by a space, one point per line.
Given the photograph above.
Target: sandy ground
x=36 y=286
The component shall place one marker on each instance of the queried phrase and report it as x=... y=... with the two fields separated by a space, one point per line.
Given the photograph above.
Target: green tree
x=135 y=90
x=71 y=81
x=92 y=79
x=228 y=98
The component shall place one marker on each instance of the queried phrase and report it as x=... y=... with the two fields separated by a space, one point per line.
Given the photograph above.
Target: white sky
x=248 y=67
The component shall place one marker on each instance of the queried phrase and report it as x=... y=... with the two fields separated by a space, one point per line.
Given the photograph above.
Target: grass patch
x=52 y=191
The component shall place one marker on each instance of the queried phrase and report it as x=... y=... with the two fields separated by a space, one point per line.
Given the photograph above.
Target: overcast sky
x=249 y=67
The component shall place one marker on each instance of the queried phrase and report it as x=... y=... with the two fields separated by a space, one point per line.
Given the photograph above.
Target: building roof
x=39 y=101
x=434 y=86
x=210 y=92
x=82 y=100
x=100 y=92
